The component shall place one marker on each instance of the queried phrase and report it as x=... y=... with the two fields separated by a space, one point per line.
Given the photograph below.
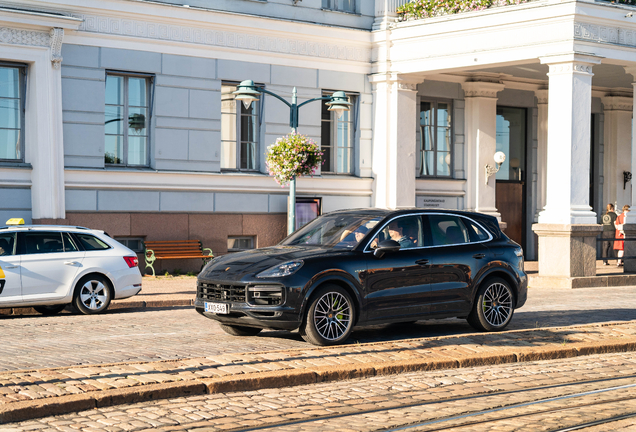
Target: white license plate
x=218 y=308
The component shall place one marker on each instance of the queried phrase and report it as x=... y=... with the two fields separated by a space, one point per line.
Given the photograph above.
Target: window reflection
x=11 y=115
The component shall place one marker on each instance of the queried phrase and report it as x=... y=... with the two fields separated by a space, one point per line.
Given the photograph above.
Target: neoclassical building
x=119 y=115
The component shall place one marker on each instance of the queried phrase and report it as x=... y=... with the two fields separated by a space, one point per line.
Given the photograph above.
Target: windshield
x=336 y=231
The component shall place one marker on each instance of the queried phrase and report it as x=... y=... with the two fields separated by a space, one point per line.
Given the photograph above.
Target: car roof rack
x=28 y=227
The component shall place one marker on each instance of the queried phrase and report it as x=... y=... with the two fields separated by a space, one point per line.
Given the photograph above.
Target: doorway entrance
x=510 y=196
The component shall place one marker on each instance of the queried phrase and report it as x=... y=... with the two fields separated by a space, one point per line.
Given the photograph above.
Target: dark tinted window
x=69 y=244
x=475 y=233
x=447 y=230
x=7 y=244
x=91 y=243
x=43 y=242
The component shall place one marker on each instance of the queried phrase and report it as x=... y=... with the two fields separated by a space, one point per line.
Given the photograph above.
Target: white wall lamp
x=500 y=158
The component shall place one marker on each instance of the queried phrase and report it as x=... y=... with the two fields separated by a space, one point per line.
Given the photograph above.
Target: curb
x=115 y=305
x=28 y=410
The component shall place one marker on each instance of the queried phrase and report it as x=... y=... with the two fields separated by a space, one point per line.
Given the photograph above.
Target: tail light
x=132 y=261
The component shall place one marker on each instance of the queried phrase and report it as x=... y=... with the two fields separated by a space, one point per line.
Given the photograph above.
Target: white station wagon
x=48 y=267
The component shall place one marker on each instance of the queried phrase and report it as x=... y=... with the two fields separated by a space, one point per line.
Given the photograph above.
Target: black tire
x=235 y=330
x=329 y=318
x=494 y=306
x=92 y=295
x=49 y=310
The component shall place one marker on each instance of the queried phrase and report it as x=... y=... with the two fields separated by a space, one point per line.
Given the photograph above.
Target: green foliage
x=190 y=274
x=167 y=273
x=418 y=9
x=292 y=156
x=177 y=272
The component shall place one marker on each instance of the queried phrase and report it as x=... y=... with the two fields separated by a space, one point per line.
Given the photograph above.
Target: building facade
x=119 y=115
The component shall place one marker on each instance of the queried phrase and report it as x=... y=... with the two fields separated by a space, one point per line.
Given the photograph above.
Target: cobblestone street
x=120 y=335
x=386 y=402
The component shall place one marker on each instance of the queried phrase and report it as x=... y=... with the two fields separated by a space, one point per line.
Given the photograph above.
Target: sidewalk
x=37 y=393
x=156 y=292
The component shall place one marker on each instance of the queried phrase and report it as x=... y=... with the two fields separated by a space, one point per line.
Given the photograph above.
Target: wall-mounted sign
x=436 y=202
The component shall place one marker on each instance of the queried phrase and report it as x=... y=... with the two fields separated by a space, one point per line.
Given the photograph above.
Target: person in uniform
x=609 y=231
x=619 y=245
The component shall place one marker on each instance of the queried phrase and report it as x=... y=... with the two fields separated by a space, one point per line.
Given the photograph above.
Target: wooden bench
x=175 y=249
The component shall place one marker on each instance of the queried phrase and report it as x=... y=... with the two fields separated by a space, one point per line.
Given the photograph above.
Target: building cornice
x=211 y=182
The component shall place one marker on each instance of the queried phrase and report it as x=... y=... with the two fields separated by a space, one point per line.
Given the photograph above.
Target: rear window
x=91 y=243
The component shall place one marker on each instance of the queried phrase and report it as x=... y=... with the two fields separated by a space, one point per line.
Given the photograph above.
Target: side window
x=475 y=233
x=43 y=242
x=407 y=231
x=7 y=244
x=91 y=243
x=69 y=244
x=447 y=230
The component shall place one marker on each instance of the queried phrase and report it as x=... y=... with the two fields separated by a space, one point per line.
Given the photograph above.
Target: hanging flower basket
x=292 y=156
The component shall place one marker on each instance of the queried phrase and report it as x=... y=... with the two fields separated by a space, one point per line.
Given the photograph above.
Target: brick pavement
x=381 y=402
x=25 y=394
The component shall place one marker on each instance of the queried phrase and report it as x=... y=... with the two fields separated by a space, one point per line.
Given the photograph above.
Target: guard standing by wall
x=608 y=233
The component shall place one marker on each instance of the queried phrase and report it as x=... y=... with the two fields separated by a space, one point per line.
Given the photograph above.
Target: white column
x=47 y=178
x=480 y=131
x=618 y=149
x=394 y=141
x=542 y=149
x=569 y=118
x=632 y=71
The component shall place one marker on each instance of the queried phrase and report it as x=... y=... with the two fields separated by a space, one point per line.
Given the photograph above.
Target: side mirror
x=386 y=246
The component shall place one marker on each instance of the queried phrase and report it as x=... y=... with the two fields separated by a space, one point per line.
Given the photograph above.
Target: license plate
x=218 y=308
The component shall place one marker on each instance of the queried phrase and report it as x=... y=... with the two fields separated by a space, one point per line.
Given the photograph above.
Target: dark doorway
x=510 y=197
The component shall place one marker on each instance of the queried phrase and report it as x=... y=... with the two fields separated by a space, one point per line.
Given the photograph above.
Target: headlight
x=281 y=270
x=519 y=252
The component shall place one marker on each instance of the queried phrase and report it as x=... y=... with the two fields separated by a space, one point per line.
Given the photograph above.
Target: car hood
x=235 y=266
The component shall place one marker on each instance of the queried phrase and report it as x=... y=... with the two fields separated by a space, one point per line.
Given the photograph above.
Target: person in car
x=396 y=232
x=351 y=239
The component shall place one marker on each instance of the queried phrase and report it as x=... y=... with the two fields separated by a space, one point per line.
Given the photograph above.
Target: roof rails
x=44 y=226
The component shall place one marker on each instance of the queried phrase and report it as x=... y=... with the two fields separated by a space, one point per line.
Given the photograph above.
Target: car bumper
x=242 y=314
x=522 y=291
x=127 y=283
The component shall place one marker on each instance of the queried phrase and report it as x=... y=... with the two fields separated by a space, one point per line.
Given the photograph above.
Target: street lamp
x=248 y=92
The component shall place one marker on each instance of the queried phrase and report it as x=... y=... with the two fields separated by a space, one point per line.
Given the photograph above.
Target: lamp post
x=248 y=92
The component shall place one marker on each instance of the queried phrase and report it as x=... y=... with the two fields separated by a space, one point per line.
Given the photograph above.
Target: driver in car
x=396 y=232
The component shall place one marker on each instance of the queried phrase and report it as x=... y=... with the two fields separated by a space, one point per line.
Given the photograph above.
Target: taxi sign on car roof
x=15 y=221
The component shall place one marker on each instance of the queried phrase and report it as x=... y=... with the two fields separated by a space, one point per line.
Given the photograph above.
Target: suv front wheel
x=329 y=317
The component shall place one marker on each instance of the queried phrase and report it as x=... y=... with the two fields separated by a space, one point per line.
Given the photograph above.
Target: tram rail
x=501 y=409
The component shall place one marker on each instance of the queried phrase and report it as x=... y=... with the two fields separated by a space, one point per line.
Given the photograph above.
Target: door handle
x=71 y=263
x=421 y=262
x=479 y=256
x=11 y=267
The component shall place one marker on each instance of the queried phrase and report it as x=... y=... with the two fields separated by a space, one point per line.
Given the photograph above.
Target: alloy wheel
x=332 y=316
x=94 y=295
x=497 y=304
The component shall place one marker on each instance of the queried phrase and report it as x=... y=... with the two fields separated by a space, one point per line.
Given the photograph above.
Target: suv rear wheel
x=493 y=307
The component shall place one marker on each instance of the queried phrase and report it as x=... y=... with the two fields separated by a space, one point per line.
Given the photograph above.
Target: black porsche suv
x=369 y=266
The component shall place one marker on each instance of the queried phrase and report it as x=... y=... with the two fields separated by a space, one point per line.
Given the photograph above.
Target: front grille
x=221 y=292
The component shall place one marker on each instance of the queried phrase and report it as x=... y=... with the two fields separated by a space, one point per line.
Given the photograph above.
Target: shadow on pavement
x=455 y=326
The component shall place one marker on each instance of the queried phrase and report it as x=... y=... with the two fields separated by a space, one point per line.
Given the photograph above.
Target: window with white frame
x=127 y=119
x=340 y=5
x=239 y=132
x=435 y=152
x=12 y=86
x=337 y=139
